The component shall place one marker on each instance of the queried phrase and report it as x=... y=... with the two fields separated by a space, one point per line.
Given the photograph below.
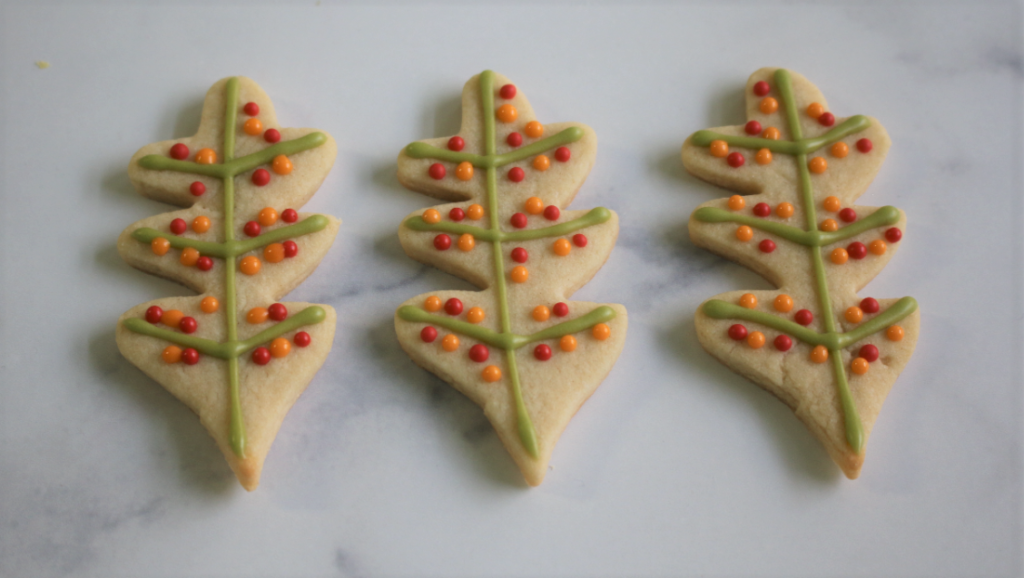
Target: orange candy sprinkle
x=491 y=373
x=172 y=318
x=520 y=274
x=817 y=165
x=541 y=163
x=771 y=133
x=819 y=354
x=209 y=304
x=877 y=247
x=507 y=113
x=431 y=216
x=475 y=315
x=250 y=265
x=189 y=256
x=839 y=256
x=748 y=300
x=450 y=342
x=534 y=129
x=601 y=332
x=541 y=313
x=567 y=343
x=280 y=347
x=854 y=314
x=744 y=233
x=257 y=315
x=719 y=149
x=432 y=303
x=840 y=150
x=534 y=206
x=206 y=156
x=784 y=210
x=736 y=203
x=201 y=224
x=466 y=242
x=859 y=366
x=756 y=340
x=894 y=333
x=267 y=216
x=274 y=253
x=160 y=246
x=253 y=127
x=769 y=105
x=562 y=247
x=832 y=204
x=783 y=303
x=763 y=157
x=815 y=109
x=829 y=226
x=281 y=165
x=171 y=354
x=464 y=171
x=474 y=212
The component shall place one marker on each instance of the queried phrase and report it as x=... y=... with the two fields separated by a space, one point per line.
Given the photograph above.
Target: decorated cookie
x=235 y=355
x=827 y=352
x=519 y=348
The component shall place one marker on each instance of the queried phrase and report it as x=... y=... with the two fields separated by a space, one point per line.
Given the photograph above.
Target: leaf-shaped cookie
x=814 y=343
x=233 y=354
x=518 y=348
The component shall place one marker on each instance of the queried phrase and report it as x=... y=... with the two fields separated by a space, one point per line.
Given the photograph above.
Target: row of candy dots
x=840 y=149
x=442 y=242
x=450 y=342
x=274 y=252
x=745 y=233
x=281 y=164
x=567 y=343
x=279 y=347
x=464 y=171
x=856 y=249
x=178 y=320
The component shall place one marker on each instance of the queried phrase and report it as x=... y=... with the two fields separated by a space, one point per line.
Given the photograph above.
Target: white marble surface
x=675 y=467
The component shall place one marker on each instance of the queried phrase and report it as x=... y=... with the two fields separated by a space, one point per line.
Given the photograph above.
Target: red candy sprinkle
x=278 y=312
x=291 y=248
x=753 y=128
x=516 y=174
x=190 y=356
x=560 y=309
x=804 y=317
x=580 y=240
x=519 y=255
x=737 y=332
x=252 y=228
x=514 y=139
x=188 y=325
x=204 y=263
x=552 y=213
x=735 y=160
x=508 y=91
x=542 y=352
x=518 y=220
x=456 y=143
x=864 y=145
x=761 y=88
x=261 y=356
x=153 y=314
x=783 y=343
x=272 y=135
x=179 y=151
x=260 y=177
x=456 y=214
x=251 y=108
x=562 y=154
x=437 y=171
x=827 y=119
x=197 y=189
x=893 y=235
x=762 y=210
x=869 y=352
x=453 y=306
x=428 y=335
x=289 y=215
x=302 y=339
x=766 y=246
x=442 y=242
x=178 y=226
x=848 y=215
x=857 y=250
x=479 y=353
x=869 y=305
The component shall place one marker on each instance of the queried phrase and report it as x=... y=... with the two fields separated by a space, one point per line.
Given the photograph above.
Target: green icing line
x=232 y=167
x=421 y=150
x=595 y=216
x=803 y=146
x=887 y=215
x=234 y=248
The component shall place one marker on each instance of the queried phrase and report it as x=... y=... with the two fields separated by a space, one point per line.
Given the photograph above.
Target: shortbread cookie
x=233 y=354
x=826 y=352
x=518 y=348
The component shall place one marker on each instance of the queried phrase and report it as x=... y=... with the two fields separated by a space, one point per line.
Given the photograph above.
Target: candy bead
x=580 y=240
x=735 y=160
x=894 y=333
x=859 y=366
x=518 y=220
x=541 y=313
x=272 y=135
x=766 y=245
x=209 y=304
x=869 y=305
x=178 y=226
x=289 y=215
x=251 y=108
x=160 y=246
x=561 y=247
x=428 y=334
x=252 y=127
x=464 y=171
x=516 y=175
x=869 y=352
x=737 y=332
x=534 y=206
x=267 y=216
x=601 y=331
x=466 y=242
x=432 y=303
x=189 y=256
x=257 y=315
x=437 y=171
x=829 y=225
x=172 y=317
x=171 y=354
x=520 y=274
x=190 y=356
x=542 y=352
x=803 y=317
x=827 y=119
x=864 y=145
x=893 y=235
x=848 y=215
x=280 y=347
x=250 y=265
x=456 y=143
x=204 y=263
x=819 y=354
x=475 y=315
x=854 y=314
x=197 y=189
x=756 y=340
x=567 y=343
x=877 y=247
x=514 y=139
x=783 y=342
x=431 y=216
x=206 y=156
x=261 y=356
x=479 y=353
x=153 y=314
x=562 y=154
x=817 y=165
x=519 y=255
x=763 y=157
x=736 y=203
x=762 y=210
x=761 y=88
x=442 y=242
x=769 y=105
x=302 y=339
x=291 y=249
x=188 y=325
x=179 y=152
x=753 y=128
x=744 y=233
x=453 y=306
x=784 y=210
x=840 y=150
x=507 y=113
x=450 y=343
x=260 y=177
x=491 y=373
x=839 y=256
x=541 y=163
x=534 y=129
x=252 y=229
x=475 y=212
x=560 y=309
x=456 y=214
x=748 y=300
x=772 y=133
x=719 y=149
x=815 y=109
x=857 y=250
x=552 y=213
x=783 y=303
x=508 y=91
x=278 y=311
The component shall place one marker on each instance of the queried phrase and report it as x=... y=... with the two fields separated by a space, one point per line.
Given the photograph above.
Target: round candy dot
x=179 y=152
x=869 y=305
x=206 y=156
x=514 y=139
x=188 y=325
x=894 y=333
x=864 y=145
x=518 y=220
x=432 y=303
x=281 y=165
x=735 y=160
x=464 y=171
x=260 y=177
x=267 y=216
x=893 y=235
x=580 y=240
x=769 y=105
x=456 y=143
x=507 y=113
x=869 y=352
x=829 y=225
x=204 y=263
x=252 y=229
x=762 y=210
x=302 y=339
x=803 y=317
x=857 y=250
x=160 y=246
x=783 y=343
x=541 y=163
x=278 y=312
x=561 y=247
x=431 y=216
x=450 y=343
x=817 y=165
x=516 y=174
x=601 y=331
x=466 y=242
x=491 y=373
x=171 y=354
x=859 y=366
x=719 y=149
x=453 y=306
x=428 y=334
x=541 y=313
x=456 y=214
x=542 y=352
x=784 y=210
x=280 y=347
x=291 y=248
x=744 y=233
x=171 y=317
x=815 y=109
x=737 y=332
x=289 y=215
x=534 y=206
x=209 y=304
x=840 y=150
x=475 y=212
x=250 y=265
x=877 y=247
x=520 y=274
x=848 y=215
x=197 y=189
x=153 y=314
x=827 y=119
x=189 y=256
x=519 y=255
x=261 y=356
x=190 y=356
x=763 y=157
x=854 y=314
x=783 y=303
x=272 y=135
x=479 y=353
x=772 y=133
x=567 y=343
x=819 y=354
x=766 y=245
x=839 y=256
x=736 y=203
x=552 y=213
x=756 y=340
x=251 y=108
x=508 y=91
x=748 y=300
x=178 y=226
x=252 y=127
x=761 y=88
x=562 y=154
x=560 y=309
x=475 y=315
x=257 y=315
x=442 y=242
x=534 y=129
x=753 y=128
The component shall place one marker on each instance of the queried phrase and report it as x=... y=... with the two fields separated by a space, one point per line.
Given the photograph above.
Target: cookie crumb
x=42 y=64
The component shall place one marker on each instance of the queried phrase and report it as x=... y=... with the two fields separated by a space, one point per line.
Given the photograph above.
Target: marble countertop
x=675 y=467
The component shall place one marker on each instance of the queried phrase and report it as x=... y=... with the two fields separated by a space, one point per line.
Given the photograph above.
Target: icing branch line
x=887 y=215
x=233 y=248
x=230 y=168
x=798 y=147
x=595 y=216
x=420 y=150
